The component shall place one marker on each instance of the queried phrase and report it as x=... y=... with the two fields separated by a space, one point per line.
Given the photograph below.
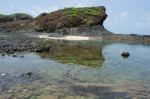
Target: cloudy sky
x=124 y=16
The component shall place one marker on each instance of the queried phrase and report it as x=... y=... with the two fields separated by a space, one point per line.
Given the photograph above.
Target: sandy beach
x=69 y=37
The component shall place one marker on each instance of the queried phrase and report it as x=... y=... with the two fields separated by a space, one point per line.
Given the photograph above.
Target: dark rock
x=28 y=74
x=38 y=50
x=3 y=54
x=21 y=56
x=42 y=14
x=14 y=55
x=125 y=54
x=45 y=49
x=10 y=52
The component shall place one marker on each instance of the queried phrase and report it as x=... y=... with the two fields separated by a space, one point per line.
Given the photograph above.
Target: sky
x=124 y=16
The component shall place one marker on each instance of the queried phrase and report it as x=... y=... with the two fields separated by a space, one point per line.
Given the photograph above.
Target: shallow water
x=74 y=70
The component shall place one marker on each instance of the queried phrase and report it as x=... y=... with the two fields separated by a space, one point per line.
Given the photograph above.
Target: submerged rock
x=21 y=56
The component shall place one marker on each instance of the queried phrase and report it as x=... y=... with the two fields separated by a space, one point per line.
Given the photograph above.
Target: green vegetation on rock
x=14 y=17
x=74 y=12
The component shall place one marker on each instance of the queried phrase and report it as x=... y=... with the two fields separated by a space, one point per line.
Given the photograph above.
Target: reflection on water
x=68 y=71
x=76 y=53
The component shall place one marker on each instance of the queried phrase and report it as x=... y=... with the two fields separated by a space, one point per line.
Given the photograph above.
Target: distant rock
x=15 y=17
x=68 y=21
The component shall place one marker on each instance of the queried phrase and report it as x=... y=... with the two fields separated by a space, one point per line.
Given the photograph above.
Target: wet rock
x=3 y=54
x=28 y=74
x=38 y=50
x=14 y=55
x=21 y=56
x=45 y=49
x=125 y=54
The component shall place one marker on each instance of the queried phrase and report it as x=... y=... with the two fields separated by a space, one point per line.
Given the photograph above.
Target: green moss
x=74 y=12
x=71 y=12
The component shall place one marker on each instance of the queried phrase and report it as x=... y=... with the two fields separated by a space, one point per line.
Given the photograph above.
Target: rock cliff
x=67 y=21
x=71 y=18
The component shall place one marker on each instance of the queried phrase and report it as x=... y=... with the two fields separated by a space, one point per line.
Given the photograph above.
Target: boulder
x=125 y=54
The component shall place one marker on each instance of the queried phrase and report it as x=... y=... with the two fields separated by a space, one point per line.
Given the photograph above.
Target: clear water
x=78 y=70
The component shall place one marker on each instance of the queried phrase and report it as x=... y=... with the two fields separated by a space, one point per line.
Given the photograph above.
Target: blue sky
x=124 y=16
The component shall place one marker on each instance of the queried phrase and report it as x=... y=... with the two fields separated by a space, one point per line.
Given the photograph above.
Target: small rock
x=14 y=55
x=28 y=74
x=125 y=54
x=3 y=54
x=21 y=56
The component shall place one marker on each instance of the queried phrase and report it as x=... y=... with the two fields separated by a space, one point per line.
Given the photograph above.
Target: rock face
x=97 y=30
x=71 y=18
x=15 y=17
x=67 y=21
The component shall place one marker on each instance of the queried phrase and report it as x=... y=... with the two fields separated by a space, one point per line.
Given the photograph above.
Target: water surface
x=78 y=70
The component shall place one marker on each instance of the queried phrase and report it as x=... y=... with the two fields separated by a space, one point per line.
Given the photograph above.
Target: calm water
x=78 y=70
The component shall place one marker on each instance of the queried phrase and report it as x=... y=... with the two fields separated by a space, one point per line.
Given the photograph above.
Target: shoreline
x=68 y=38
x=11 y=42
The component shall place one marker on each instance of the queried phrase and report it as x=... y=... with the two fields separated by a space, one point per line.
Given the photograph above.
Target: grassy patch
x=74 y=12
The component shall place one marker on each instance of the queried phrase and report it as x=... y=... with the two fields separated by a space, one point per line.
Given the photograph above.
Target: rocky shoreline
x=11 y=42
x=20 y=31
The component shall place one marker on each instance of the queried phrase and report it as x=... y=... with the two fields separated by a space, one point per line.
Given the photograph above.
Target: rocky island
x=20 y=32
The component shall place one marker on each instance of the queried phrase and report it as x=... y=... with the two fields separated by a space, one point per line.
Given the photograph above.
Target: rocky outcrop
x=67 y=21
x=71 y=18
x=14 y=17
